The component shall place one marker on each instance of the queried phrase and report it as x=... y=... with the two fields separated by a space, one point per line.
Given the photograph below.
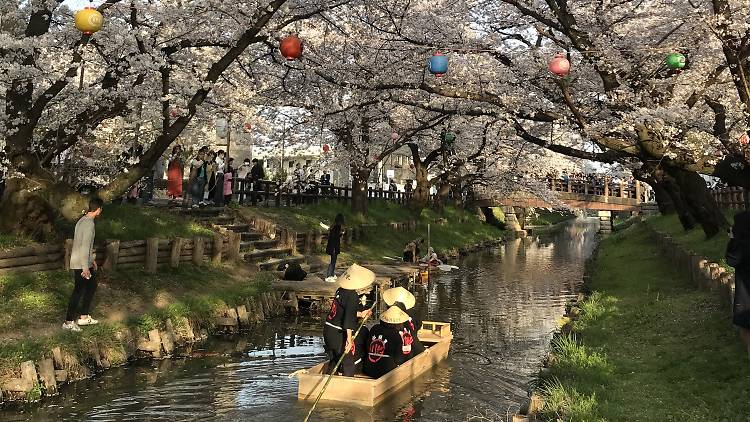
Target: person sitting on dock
x=388 y=344
x=405 y=300
x=411 y=250
x=341 y=322
x=431 y=258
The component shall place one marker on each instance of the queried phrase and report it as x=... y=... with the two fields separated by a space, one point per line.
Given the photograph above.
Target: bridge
x=597 y=195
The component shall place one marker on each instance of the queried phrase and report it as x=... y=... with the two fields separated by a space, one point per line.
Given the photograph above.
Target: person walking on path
x=175 y=170
x=84 y=269
x=738 y=256
x=333 y=247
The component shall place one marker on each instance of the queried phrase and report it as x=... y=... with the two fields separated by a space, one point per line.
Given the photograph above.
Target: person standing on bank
x=333 y=247
x=738 y=256
x=341 y=321
x=84 y=269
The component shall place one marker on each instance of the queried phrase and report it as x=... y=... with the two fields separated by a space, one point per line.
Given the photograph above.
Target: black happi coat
x=738 y=256
x=385 y=349
x=412 y=326
x=342 y=317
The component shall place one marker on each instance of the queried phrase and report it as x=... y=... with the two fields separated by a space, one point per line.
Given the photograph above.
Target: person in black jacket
x=388 y=344
x=342 y=320
x=333 y=247
x=738 y=256
x=404 y=300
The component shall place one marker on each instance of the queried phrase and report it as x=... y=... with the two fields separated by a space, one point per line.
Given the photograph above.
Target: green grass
x=450 y=229
x=695 y=240
x=32 y=306
x=650 y=347
x=130 y=222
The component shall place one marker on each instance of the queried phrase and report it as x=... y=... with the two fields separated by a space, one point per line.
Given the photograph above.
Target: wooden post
x=112 y=255
x=233 y=254
x=68 y=250
x=174 y=255
x=198 y=250
x=152 y=254
x=218 y=246
x=638 y=191
x=606 y=186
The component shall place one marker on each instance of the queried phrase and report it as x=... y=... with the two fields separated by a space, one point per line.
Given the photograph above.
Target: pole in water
x=341 y=359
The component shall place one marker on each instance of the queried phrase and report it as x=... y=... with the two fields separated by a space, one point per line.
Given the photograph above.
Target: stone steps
x=272 y=264
x=259 y=254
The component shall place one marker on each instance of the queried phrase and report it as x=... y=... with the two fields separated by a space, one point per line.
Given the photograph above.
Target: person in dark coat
x=333 y=247
x=404 y=300
x=738 y=256
x=388 y=344
x=342 y=320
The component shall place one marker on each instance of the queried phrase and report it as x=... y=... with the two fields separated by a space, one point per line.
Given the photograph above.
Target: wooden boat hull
x=366 y=391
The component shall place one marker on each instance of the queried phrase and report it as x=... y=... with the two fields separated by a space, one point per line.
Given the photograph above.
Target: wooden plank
x=31 y=251
x=30 y=268
x=140 y=250
x=31 y=260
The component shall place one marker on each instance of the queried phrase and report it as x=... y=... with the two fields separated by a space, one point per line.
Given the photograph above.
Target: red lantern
x=376 y=157
x=560 y=66
x=326 y=148
x=248 y=126
x=174 y=113
x=291 y=47
x=744 y=139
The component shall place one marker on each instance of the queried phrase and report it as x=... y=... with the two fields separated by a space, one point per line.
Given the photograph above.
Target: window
x=291 y=164
x=308 y=162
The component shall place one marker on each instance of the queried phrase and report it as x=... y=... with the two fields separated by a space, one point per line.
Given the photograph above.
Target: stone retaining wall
x=35 y=380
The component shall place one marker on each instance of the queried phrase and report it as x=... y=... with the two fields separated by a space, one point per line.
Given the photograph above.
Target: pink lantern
x=376 y=157
x=744 y=139
x=394 y=136
x=326 y=148
x=248 y=126
x=559 y=65
x=174 y=113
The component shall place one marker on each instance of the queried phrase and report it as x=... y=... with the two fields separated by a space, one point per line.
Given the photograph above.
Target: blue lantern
x=438 y=64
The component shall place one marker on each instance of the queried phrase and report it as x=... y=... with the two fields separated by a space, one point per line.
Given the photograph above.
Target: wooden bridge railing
x=606 y=187
x=732 y=198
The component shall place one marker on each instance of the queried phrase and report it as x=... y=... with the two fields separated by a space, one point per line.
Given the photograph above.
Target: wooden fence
x=148 y=254
x=270 y=193
x=732 y=198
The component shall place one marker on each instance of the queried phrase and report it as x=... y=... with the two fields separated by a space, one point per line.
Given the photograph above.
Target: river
x=502 y=304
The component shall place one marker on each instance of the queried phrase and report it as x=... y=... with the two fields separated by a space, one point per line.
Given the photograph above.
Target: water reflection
x=503 y=306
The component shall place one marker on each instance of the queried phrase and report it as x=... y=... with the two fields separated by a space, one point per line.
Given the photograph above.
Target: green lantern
x=675 y=61
x=448 y=137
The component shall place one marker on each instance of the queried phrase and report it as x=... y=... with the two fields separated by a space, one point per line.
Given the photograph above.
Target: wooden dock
x=315 y=289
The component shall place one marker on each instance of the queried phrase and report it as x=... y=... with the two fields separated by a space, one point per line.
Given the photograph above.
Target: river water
x=503 y=305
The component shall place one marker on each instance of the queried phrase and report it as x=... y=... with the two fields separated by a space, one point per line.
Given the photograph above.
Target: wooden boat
x=365 y=391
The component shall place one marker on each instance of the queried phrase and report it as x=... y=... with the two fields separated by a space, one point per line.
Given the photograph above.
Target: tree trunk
x=441 y=198
x=700 y=202
x=421 y=195
x=663 y=200
x=31 y=205
x=359 y=190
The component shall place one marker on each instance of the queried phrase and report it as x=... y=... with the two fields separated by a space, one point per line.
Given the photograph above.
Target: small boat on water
x=365 y=391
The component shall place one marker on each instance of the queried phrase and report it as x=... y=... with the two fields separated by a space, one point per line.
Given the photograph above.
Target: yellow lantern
x=89 y=20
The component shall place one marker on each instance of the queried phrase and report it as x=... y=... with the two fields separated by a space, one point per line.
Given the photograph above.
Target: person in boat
x=405 y=300
x=342 y=320
x=388 y=344
x=411 y=250
x=431 y=258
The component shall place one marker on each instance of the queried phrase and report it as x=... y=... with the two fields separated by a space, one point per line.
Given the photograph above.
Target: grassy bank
x=448 y=230
x=32 y=306
x=545 y=217
x=648 y=346
x=694 y=239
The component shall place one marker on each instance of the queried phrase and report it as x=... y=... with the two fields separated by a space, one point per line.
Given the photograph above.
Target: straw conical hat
x=356 y=277
x=394 y=315
x=399 y=294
